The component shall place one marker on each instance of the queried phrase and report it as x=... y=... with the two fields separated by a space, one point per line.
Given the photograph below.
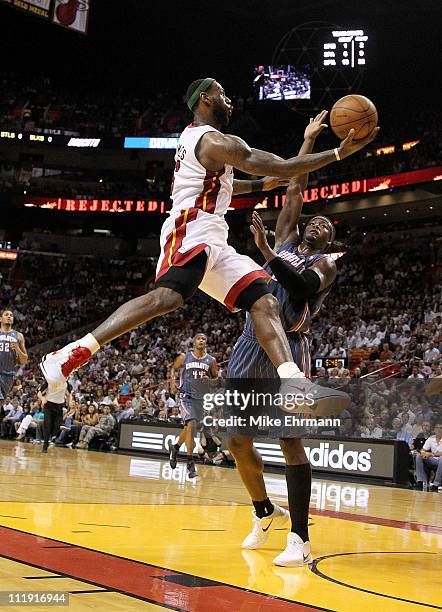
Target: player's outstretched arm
x=215 y=150
x=268 y=183
x=288 y=218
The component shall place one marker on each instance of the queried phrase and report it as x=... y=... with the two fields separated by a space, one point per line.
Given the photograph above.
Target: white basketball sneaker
x=297 y=552
x=263 y=526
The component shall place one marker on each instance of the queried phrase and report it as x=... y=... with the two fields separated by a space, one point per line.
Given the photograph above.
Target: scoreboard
x=345 y=49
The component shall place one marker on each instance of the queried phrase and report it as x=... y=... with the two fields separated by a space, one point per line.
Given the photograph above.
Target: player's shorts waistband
x=294 y=336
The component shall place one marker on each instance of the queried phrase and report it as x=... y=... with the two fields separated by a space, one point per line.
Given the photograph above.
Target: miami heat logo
x=66 y=12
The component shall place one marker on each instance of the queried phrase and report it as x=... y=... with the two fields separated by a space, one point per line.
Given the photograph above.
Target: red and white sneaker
x=58 y=366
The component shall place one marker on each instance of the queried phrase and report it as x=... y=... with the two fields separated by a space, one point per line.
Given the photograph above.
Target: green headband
x=204 y=86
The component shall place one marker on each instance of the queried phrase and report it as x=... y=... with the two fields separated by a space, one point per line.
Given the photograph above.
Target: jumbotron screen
x=282 y=83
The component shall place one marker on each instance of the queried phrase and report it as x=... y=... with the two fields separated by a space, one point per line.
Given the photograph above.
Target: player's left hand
x=315 y=126
x=273 y=182
x=13 y=346
x=259 y=232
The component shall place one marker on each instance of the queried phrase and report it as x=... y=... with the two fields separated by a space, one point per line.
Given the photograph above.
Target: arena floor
x=125 y=533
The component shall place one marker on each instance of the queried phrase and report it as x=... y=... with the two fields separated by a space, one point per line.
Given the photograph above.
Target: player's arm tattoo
x=237 y=153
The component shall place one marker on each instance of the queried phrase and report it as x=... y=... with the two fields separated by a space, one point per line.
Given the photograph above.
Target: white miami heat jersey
x=195 y=187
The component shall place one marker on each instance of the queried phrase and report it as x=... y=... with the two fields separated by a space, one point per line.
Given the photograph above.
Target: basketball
x=354 y=111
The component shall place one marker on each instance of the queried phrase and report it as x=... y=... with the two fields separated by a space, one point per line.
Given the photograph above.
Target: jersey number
x=4 y=347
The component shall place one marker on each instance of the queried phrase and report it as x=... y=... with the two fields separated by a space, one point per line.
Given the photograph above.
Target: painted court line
x=151 y=583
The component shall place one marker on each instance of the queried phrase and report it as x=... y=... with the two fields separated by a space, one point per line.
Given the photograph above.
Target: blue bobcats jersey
x=192 y=369
x=8 y=357
x=296 y=315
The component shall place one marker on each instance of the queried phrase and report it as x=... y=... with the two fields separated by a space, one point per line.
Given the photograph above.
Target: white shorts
x=227 y=272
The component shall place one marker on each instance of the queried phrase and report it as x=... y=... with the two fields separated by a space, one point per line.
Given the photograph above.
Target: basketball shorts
x=6 y=381
x=190 y=409
x=249 y=361
x=226 y=274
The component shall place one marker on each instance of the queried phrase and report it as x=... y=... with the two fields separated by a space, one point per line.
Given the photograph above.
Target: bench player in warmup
x=302 y=278
x=193 y=365
x=194 y=249
x=12 y=352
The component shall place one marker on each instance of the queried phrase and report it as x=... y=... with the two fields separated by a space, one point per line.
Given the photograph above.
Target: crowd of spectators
x=52 y=295
x=40 y=103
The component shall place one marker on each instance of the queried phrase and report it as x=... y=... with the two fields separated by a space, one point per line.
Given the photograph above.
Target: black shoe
x=419 y=486
x=173 y=457
x=433 y=488
x=191 y=471
x=44 y=449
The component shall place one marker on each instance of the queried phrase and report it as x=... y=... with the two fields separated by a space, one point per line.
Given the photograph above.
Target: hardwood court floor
x=126 y=533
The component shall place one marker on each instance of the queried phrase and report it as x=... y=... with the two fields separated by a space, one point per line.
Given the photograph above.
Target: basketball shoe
x=59 y=365
x=306 y=397
x=263 y=526
x=296 y=553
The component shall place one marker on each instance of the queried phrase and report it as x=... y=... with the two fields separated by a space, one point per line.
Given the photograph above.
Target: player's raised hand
x=315 y=126
x=273 y=182
x=349 y=145
x=259 y=232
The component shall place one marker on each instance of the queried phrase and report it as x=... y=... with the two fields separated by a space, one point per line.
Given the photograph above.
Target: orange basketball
x=356 y=112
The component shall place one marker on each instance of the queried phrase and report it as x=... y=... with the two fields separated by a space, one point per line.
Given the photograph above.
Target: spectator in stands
x=431 y=354
x=174 y=415
x=371 y=430
x=30 y=421
x=13 y=416
x=105 y=425
x=417 y=428
x=430 y=459
x=397 y=432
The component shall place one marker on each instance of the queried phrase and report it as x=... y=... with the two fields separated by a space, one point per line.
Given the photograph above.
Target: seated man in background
x=106 y=423
x=8 y=423
x=210 y=450
x=429 y=458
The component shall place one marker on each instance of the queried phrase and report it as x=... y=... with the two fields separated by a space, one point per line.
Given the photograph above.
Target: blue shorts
x=249 y=360
x=6 y=381
x=190 y=409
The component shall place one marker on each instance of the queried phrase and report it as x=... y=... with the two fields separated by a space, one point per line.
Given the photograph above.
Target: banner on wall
x=71 y=14
x=41 y=8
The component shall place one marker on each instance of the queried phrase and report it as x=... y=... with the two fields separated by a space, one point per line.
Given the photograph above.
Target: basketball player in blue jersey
x=12 y=352
x=195 y=252
x=193 y=365
x=301 y=278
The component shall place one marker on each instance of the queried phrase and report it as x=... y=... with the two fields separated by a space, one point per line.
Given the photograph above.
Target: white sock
x=89 y=342
x=289 y=369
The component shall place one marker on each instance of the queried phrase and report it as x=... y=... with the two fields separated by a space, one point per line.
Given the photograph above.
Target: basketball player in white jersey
x=194 y=249
x=12 y=352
